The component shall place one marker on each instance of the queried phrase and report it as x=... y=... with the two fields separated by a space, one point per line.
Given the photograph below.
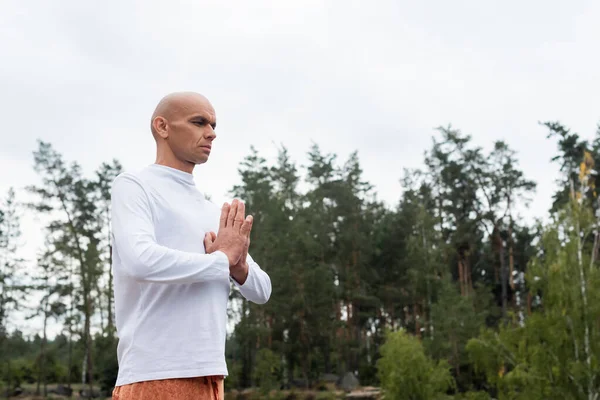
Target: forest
x=447 y=294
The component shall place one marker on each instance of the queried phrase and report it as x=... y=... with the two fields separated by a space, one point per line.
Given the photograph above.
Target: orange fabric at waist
x=200 y=388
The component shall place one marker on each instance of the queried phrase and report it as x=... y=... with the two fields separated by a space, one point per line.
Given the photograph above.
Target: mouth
x=206 y=147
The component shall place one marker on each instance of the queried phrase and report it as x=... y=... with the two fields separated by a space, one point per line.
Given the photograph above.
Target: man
x=174 y=254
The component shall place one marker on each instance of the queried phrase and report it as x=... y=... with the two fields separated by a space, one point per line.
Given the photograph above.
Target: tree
x=12 y=288
x=266 y=370
x=51 y=282
x=457 y=319
x=407 y=373
x=102 y=185
x=554 y=354
x=66 y=198
x=451 y=173
x=256 y=190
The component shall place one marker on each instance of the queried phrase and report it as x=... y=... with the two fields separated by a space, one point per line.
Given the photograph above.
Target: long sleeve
x=257 y=287
x=142 y=257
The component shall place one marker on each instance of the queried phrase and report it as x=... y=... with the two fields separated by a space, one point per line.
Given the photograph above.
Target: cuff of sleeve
x=222 y=260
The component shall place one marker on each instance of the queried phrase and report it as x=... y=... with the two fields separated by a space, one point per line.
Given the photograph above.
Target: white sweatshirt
x=170 y=297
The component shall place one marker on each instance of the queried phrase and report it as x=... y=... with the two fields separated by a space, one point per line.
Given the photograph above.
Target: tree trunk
x=456 y=355
x=583 y=289
x=42 y=364
x=429 y=320
x=9 y=380
x=586 y=337
x=511 y=258
x=103 y=327
x=461 y=277
x=70 y=328
x=503 y=283
x=85 y=281
x=469 y=280
x=88 y=341
x=417 y=320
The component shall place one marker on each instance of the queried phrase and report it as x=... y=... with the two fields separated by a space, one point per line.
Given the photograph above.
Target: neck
x=168 y=159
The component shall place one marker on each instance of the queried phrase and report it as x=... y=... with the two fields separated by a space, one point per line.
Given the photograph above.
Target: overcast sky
x=376 y=77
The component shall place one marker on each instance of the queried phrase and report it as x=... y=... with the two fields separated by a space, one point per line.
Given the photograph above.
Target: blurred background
x=422 y=178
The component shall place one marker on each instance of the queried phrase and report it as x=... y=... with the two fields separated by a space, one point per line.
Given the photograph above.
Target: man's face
x=191 y=130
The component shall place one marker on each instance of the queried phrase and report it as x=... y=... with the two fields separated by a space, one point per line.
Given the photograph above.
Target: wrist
x=240 y=272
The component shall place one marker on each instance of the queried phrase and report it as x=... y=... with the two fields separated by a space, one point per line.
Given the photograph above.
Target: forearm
x=147 y=261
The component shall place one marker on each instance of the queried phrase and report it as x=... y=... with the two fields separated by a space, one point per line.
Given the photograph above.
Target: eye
x=203 y=122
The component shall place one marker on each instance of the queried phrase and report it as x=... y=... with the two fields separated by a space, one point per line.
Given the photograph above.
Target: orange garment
x=200 y=388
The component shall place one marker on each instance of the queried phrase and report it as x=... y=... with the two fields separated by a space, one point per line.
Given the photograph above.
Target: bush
x=406 y=373
x=232 y=381
x=107 y=366
x=266 y=371
x=21 y=370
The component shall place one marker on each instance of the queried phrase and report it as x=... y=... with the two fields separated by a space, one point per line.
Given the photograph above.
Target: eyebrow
x=202 y=118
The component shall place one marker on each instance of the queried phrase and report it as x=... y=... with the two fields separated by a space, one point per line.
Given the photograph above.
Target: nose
x=210 y=133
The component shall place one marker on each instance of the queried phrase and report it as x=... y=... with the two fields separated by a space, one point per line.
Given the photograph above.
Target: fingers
x=208 y=240
x=224 y=214
x=239 y=215
x=232 y=212
x=247 y=226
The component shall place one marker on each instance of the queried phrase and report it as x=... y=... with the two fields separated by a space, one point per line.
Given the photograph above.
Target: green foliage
x=266 y=370
x=232 y=381
x=446 y=263
x=18 y=371
x=473 y=396
x=457 y=319
x=554 y=354
x=406 y=372
x=105 y=354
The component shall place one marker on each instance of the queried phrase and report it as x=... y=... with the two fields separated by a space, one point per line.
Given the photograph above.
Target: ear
x=160 y=126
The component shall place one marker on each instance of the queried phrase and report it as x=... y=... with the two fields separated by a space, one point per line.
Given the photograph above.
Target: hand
x=234 y=231
x=239 y=271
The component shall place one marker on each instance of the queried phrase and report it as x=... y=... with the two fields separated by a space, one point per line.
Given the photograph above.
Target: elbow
x=139 y=271
x=140 y=265
x=265 y=295
x=261 y=300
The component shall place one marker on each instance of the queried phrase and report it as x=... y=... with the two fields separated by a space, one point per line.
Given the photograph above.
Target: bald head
x=177 y=103
x=183 y=125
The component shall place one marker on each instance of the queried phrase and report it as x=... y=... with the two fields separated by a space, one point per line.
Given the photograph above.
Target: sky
x=377 y=77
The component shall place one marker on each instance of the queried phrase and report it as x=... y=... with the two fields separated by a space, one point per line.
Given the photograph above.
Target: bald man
x=174 y=256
